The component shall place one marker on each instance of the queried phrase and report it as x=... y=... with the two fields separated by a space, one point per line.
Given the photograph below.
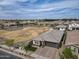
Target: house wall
x=62 y=29
x=35 y=42
x=38 y=43
x=45 y=43
x=73 y=27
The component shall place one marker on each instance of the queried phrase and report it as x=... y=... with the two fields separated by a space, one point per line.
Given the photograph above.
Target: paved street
x=11 y=55
x=4 y=55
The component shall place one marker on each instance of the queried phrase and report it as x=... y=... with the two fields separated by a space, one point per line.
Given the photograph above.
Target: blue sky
x=35 y=9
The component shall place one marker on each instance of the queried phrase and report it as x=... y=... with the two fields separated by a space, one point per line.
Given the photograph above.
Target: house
x=49 y=41
x=52 y=38
x=6 y=25
x=72 y=41
x=73 y=26
x=61 y=27
x=11 y=26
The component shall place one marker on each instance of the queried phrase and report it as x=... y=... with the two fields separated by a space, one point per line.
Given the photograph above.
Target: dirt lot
x=23 y=34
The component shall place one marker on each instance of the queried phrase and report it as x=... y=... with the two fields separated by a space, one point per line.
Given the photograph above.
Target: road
x=4 y=55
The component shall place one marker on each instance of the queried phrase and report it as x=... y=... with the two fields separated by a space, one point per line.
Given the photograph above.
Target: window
x=77 y=28
x=36 y=42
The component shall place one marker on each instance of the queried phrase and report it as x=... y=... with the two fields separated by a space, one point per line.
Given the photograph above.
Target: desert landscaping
x=22 y=34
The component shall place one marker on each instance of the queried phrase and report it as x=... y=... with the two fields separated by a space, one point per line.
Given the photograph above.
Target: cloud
x=31 y=1
x=34 y=8
x=22 y=0
x=7 y=2
x=54 y=6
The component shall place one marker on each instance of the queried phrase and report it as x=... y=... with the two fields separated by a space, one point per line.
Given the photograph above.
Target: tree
x=18 y=23
x=9 y=42
x=67 y=53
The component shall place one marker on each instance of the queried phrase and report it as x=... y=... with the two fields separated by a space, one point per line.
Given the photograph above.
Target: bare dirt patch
x=23 y=34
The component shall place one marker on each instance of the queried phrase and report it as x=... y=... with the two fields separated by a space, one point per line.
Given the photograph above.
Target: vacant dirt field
x=23 y=34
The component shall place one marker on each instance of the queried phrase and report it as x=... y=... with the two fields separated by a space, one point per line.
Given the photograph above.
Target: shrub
x=67 y=53
x=30 y=48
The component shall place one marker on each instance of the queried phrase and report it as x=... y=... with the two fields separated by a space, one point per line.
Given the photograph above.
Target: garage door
x=51 y=44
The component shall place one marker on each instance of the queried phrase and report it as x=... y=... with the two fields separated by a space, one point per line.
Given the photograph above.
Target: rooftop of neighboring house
x=66 y=22
x=61 y=26
x=9 y=24
x=51 y=36
x=74 y=25
x=72 y=38
x=45 y=53
x=77 y=22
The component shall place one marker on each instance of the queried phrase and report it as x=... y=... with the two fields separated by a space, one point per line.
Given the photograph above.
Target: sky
x=39 y=9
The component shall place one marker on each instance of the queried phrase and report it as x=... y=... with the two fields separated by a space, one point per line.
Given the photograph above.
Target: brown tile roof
x=72 y=37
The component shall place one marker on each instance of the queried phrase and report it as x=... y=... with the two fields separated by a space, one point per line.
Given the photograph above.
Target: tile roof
x=51 y=36
x=61 y=26
x=72 y=38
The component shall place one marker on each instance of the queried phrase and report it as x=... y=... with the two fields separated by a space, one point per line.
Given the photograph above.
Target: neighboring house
x=0 y=26
x=66 y=22
x=73 y=26
x=6 y=25
x=61 y=27
x=11 y=26
x=52 y=38
x=72 y=41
